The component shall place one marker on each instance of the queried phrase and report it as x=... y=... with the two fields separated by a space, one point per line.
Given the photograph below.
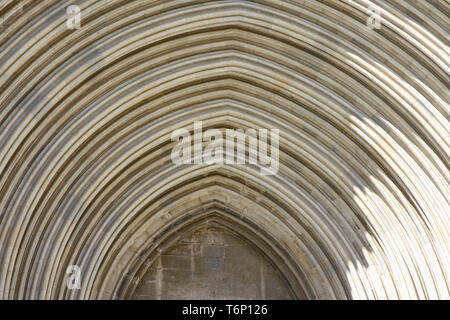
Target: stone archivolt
x=358 y=208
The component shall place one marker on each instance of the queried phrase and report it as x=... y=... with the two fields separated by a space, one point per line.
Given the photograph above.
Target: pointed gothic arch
x=359 y=206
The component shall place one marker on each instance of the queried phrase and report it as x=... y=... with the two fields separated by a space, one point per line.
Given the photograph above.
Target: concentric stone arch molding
x=361 y=197
x=216 y=218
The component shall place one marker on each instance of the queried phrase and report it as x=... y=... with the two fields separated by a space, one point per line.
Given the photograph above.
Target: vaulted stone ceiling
x=358 y=209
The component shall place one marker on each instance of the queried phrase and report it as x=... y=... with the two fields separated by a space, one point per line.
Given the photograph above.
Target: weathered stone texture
x=359 y=205
x=212 y=264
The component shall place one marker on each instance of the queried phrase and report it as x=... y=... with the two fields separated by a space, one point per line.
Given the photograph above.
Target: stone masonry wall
x=212 y=264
